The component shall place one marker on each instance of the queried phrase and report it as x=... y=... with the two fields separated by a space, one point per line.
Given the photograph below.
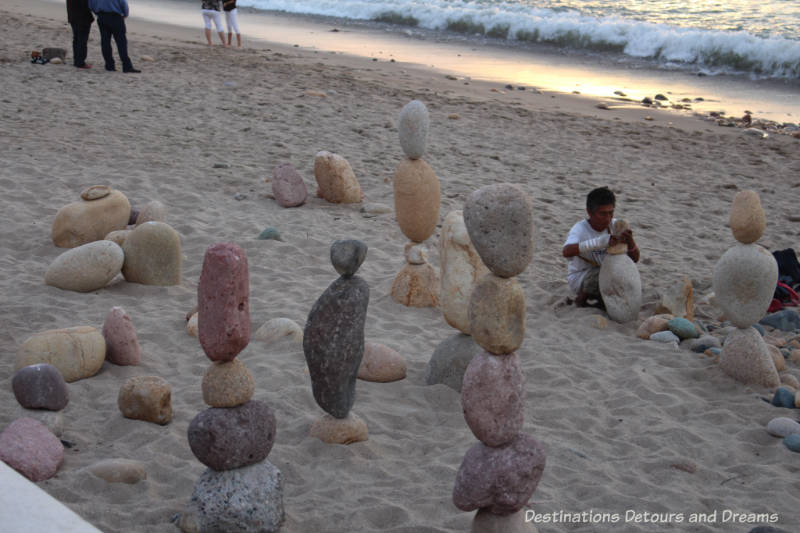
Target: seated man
x=586 y=244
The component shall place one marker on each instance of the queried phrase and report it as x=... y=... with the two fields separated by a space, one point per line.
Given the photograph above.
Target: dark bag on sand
x=788 y=267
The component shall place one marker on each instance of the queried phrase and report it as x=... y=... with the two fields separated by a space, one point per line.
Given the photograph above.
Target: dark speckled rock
x=347 y=256
x=500 y=479
x=333 y=343
x=40 y=387
x=227 y=438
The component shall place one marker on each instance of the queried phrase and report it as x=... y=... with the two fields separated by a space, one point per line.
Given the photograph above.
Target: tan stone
x=794 y=357
x=598 y=321
x=497 y=314
x=88 y=221
x=119 y=471
x=76 y=352
x=228 y=384
x=417 y=198
x=416 y=286
x=777 y=358
x=780 y=342
x=340 y=430
x=678 y=300
x=147 y=398
x=621 y=248
x=335 y=179
x=118 y=236
x=191 y=325
x=461 y=267
x=279 y=328
x=790 y=381
x=651 y=325
x=381 y=364
x=153 y=255
x=86 y=268
x=747 y=220
x=95 y=192
x=745 y=357
x=152 y=212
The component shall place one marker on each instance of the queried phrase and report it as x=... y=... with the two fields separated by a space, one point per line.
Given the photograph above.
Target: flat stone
x=228 y=384
x=701 y=344
x=40 y=386
x=95 y=192
x=122 y=344
x=493 y=398
x=335 y=179
x=86 y=268
x=279 y=328
x=153 y=211
x=417 y=199
x=450 y=360
x=500 y=479
x=346 y=430
x=147 y=398
x=415 y=253
x=119 y=471
x=664 y=336
x=460 y=269
x=497 y=314
x=412 y=127
x=333 y=343
x=228 y=438
x=783 y=427
x=347 y=256
x=683 y=328
x=153 y=255
x=621 y=288
x=223 y=302
x=651 y=325
x=499 y=219
x=288 y=186
x=76 y=352
x=744 y=282
x=244 y=499
x=88 y=221
x=748 y=220
x=784 y=320
x=416 y=286
x=678 y=299
x=381 y=364
x=745 y=358
x=28 y=447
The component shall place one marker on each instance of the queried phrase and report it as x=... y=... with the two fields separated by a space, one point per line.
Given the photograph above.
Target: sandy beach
x=628 y=424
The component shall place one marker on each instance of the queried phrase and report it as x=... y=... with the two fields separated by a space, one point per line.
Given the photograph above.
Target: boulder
x=744 y=282
x=40 y=386
x=28 y=447
x=153 y=211
x=621 y=288
x=87 y=267
x=76 y=352
x=460 y=269
x=288 y=186
x=497 y=314
x=381 y=364
x=228 y=384
x=747 y=220
x=122 y=344
x=745 y=358
x=335 y=179
x=417 y=198
x=223 y=302
x=153 y=255
x=450 y=360
x=147 y=398
x=416 y=286
x=678 y=300
x=88 y=221
x=347 y=430
x=412 y=127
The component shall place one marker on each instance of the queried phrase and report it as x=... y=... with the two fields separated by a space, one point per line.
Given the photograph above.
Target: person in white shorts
x=232 y=21
x=586 y=244
x=211 y=12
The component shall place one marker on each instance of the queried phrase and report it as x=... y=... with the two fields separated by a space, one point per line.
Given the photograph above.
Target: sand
x=200 y=126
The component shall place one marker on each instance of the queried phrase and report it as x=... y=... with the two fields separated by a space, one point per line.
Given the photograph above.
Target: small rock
x=661 y=97
x=792 y=442
x=664 y=336
x=340 y=430
x=221 y=165
x=347 y=256
x=412 y=127
x=227 y=384
x=147 y=398
x=755 y=132
x=416 y=286
x=28 y=447
x=701 y=344
x=279 y=328
x=374 y=209
x=192 y=325
x=288 y=186
x=416 y=254
x=747 y=219
x=417 y=199
x=239 y=196
x=450 y=360
x=777 y=358
x=683 y=328
x=122 y=344
x=497 y=314
x=147 y=59
x=52 y=53
x=84 y=222
x=381 y=364
x=270 y=233
x=783 y=427
x=598 y=321
x=784 y=320
x=783 y=397
x=153 y=255
x=651 y=325
x=95 y=192
x=791 y=381
x=40 y=386
x=119 y=471
x=56 y=61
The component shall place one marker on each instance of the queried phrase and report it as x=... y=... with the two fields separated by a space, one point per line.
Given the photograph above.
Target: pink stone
x=499 y=479
x=122 y=345
x=493 y=397
x=28 y=447
x=223 y=302
x=288 y=186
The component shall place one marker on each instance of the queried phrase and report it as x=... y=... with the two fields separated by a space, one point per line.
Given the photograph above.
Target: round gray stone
x=347 y=256
x=412 y=127
x=40 y=386
x=450 y=360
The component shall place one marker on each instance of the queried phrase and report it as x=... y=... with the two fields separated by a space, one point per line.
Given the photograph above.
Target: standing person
x=111 y=16
x=80 y=18
x=586 y=244
x=211 y=11
x=232 y=21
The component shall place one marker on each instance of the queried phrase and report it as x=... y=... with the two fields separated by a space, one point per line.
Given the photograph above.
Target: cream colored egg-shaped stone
x=744 y=282
x=748 y=220
x=87 y=267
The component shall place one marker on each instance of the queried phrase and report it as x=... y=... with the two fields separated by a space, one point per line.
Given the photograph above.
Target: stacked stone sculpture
x=620 y=284
x=500 y=473
x=744 y=282
x=333 y=343
x=241 y=490
x=416 y=203
x=461 y=268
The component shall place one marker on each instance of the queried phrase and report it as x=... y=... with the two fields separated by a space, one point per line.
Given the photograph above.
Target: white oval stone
x=621 y=288
x=412 y=127
x=744 y=282
x=86 y=268
x=783 y=427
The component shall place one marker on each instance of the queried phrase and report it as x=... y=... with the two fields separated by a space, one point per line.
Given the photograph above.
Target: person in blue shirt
x=111 y=16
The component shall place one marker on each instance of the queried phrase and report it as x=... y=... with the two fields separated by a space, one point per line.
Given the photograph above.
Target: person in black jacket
x=80 y=18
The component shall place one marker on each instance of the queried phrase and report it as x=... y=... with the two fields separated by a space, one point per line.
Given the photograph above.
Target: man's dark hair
x=598 y=197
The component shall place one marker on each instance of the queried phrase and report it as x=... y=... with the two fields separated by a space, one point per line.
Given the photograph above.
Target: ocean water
x=756 y=38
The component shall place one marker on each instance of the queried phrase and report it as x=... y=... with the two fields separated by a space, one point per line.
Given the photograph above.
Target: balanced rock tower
x=416 y=203
x=620 y=284
x=744 y=282
x=500 y=473
x=240 y=490
x=333 y=344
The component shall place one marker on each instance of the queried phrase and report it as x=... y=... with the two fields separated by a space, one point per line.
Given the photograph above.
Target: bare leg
x=222 y=38
x=238 y=40
x=208 y=36
x=229 y=38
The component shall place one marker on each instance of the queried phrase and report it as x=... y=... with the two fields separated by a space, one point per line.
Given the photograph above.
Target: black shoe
x=132 y=71
x=110 y=69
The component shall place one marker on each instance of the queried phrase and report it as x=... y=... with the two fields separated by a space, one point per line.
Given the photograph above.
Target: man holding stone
x=586 y=245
